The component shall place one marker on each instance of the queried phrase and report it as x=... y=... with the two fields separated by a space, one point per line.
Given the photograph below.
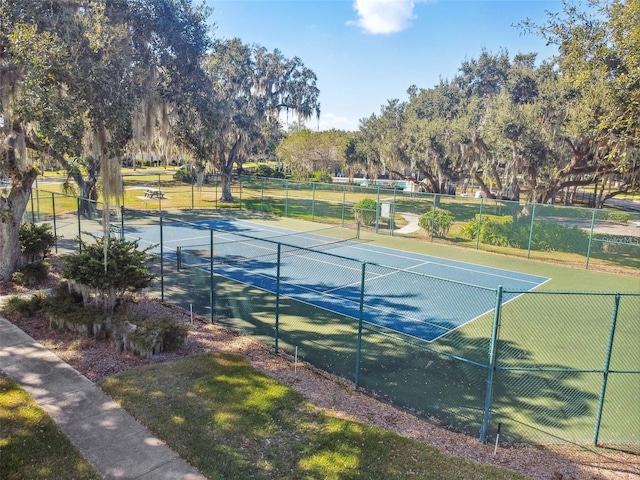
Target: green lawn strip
x=233 y=422
x=31 y=445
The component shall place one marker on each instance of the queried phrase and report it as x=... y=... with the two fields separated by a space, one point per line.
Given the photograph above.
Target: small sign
x=385 y=210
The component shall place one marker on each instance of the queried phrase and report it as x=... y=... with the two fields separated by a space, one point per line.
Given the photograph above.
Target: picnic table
x=153 y=193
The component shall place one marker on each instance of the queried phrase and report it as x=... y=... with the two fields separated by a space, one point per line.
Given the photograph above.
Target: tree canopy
x=513 y=123
x=73 y=73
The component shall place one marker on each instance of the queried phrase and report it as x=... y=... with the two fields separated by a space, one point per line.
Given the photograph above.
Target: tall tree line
x=511 y=124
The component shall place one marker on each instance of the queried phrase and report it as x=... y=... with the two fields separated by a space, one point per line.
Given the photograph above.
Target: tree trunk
x=12 y=209
x=13 y=206
x=10 y=257
x=226 y=175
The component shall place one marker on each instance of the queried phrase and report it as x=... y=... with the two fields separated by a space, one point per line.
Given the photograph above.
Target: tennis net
x=233 y=247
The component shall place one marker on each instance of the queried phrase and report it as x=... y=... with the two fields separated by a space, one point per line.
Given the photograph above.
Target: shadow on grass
x=233 y=422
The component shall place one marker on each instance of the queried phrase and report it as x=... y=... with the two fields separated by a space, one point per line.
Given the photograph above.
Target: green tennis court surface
x=417 y=295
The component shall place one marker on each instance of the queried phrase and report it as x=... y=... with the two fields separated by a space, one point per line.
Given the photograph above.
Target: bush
x=321 y=177
x=620 y=217
x=618 y=244
x=504 y=232
x=364 y=211
x=148 y=336
x=24 y=306
x=31 y=274
x=126 y=270
x=186 y=175
x=439 y=220
x=66 y=312
x=264 y=171
x=36 y=241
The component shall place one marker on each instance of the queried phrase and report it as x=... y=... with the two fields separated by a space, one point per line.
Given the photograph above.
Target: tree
x=37 y=118
x=305 y=151
x=238 y=110
x=73 y=73
x=597 y=95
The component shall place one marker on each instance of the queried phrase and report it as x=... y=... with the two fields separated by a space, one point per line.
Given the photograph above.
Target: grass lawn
x=31 y=445
x=233 y=422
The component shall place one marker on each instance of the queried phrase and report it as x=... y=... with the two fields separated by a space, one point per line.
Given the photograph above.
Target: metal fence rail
x=582 y=235
x=548 y=367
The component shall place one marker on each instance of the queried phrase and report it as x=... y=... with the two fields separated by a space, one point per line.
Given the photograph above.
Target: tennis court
x=430 y=296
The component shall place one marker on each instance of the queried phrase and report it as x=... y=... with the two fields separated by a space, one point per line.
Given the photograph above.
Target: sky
x=366 y=52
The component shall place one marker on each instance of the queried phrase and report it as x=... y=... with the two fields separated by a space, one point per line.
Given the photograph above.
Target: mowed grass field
x=233 y=422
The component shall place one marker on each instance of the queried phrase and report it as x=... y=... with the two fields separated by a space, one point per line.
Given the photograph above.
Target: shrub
x=618 y=244
x=36 y=241
x=321 y=176
x=148 y=336
x=186 y=175
x=364 y=211
x=31 y=274
x=66 y=312
x=504 y=232
x=438 y=221
x=126 y=270
x=491 y=232
x=621 y=217
x=24 y=306
x=264 y=171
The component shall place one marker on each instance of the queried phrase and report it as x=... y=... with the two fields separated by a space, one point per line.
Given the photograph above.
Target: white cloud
x=329 y=121
x=383 y=16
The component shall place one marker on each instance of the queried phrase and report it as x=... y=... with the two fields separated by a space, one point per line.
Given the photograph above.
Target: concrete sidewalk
x=115 y=443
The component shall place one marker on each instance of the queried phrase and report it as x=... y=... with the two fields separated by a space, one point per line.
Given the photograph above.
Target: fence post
x=479 y=224
x=313 y=202
x=286 y=198
x=215 y=186
x=277 y=298
x=360 y=316
x=161 y=263
x=122 y=222
x=79 y=227
x=378 y=210
x=493 y=349
x=392 y=220
x=193 y=193
x=159 y=194
x=37 y=199
x=593 y=221
x=212 y=285
x=55 y=228
x=433 y=213
x=605 y=371
x=533 y=216
x=33 y=213
x=262 y=196
x=344 y=196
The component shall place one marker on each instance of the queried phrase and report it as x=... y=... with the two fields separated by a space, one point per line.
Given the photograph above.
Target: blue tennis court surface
x=417 y=295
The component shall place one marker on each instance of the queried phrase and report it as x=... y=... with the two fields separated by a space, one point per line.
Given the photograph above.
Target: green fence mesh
x=566 y=363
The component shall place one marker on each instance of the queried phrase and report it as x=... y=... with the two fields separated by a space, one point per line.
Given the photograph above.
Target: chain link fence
x=547 y=367
x=581 y=236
